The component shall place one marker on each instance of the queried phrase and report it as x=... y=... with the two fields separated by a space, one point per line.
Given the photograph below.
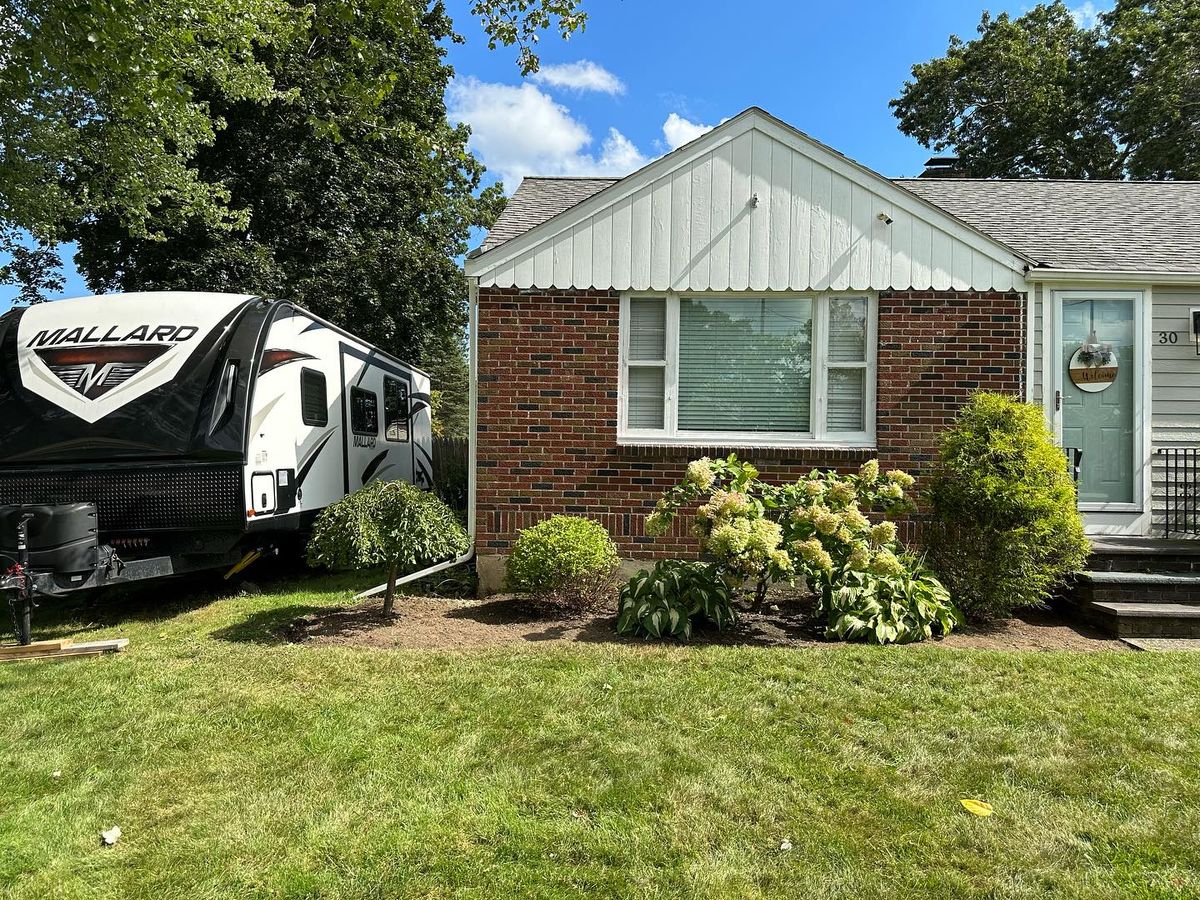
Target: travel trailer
x=153 y=434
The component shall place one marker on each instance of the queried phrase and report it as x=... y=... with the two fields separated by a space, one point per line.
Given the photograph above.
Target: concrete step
x=1158 y=620
x=1138 y=587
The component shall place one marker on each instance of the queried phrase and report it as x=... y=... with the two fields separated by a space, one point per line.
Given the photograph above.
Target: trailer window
x=314 y=402
x=364 y=412
x=395 y=410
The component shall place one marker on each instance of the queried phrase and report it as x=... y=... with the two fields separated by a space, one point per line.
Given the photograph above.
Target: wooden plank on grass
x=19 y=650
x=91 y=648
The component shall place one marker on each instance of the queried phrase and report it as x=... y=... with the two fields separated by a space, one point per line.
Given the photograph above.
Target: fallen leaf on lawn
x=111 y=836
x=580 y=814
x=785 y=845
x=977 y=807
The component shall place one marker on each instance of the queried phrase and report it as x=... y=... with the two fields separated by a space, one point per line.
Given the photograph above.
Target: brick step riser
x=1144 y=563
x=1133 y=593
x=1164 y=627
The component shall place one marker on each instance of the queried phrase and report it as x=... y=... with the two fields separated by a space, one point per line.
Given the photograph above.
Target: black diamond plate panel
x=137 y=499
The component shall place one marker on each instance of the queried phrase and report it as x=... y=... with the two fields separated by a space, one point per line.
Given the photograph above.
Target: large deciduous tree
x=357 y=194
x=294 y=149
x=1043 y=95
x=106 y=105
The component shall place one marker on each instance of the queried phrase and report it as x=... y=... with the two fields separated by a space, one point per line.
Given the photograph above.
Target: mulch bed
x=426 y=623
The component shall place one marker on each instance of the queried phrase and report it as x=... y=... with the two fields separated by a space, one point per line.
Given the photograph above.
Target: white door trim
x=1109 y=518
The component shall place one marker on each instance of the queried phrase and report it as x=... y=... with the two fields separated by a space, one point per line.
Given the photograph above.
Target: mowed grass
x=238 y=766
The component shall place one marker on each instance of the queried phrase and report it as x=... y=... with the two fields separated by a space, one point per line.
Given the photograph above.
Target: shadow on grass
x=270 y=626
x=74 y=614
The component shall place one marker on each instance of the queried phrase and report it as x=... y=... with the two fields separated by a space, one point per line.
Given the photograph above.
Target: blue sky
x=647 y=75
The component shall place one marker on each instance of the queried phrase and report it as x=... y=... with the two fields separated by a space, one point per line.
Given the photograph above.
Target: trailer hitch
x=17 y=585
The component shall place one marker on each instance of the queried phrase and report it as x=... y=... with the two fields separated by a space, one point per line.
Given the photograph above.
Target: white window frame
x=820 y=436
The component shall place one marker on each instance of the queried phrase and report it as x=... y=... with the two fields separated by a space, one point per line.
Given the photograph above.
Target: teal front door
x=1099 y=366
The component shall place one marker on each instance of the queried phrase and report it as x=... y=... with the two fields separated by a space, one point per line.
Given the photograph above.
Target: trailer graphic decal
x=94 y=371
x=273 y=359
x=92 y=355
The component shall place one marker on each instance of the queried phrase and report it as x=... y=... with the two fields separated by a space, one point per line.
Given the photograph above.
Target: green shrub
x=390 y=524
x=1006 y=530
x=663 y=602
x=908 y=606
x=564 y=562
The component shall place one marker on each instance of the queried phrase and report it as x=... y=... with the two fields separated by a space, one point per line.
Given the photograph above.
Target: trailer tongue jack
x=18 y=586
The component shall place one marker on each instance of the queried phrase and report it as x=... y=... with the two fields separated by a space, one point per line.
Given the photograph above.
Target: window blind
x=645 y=387
x=647 y=329
x=646 y=406
x=847 y=329
x=745 y=365
x=845 y=387
x=845 y=400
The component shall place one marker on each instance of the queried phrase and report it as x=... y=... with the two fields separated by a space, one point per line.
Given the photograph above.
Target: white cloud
x=678 y=131
x=580 y=76
x=1086 y=14
x=518 y=130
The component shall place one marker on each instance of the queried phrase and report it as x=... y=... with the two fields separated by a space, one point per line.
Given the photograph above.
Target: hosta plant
x=664 y=601
x=899 y=608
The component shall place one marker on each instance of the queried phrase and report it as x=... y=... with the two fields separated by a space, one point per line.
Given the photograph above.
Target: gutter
x=1100 y=276
x=472 y=417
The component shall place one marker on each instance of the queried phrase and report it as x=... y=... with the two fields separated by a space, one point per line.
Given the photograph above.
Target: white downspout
x=472 y=412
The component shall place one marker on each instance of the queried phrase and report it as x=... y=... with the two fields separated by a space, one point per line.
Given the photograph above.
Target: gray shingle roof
x=539 y=199
x=1131 y=226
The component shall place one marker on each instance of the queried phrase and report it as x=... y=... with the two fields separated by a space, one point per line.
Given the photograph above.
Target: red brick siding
x=935 y=350
x=547 y=416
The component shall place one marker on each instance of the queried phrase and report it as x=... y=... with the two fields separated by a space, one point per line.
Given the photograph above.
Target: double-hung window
x=770 y=370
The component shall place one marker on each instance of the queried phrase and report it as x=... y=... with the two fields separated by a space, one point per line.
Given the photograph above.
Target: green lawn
x=239 y=767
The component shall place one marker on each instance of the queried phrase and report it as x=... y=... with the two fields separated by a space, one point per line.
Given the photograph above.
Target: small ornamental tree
x=1006 y=530
x=390 y=524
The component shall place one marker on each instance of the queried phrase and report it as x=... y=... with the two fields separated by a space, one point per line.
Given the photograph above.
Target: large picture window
x=769 y=370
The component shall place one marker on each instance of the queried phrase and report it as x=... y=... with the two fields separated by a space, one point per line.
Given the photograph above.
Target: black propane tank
x=62 y=537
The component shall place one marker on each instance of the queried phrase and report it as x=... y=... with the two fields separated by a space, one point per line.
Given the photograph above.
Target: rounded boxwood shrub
x=1006 y=530
x=564 y=562
x=390 y=524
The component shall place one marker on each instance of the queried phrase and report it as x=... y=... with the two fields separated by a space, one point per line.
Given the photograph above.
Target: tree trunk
x=760 y=593
x=389 y=597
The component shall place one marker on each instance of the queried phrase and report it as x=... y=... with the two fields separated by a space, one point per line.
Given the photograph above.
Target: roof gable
x=752 y=205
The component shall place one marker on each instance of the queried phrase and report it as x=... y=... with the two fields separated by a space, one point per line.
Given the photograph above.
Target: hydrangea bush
x=818 y=527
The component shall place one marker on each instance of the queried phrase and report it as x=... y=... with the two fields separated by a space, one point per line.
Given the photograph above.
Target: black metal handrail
x=1074 y=460
x=1181 y=489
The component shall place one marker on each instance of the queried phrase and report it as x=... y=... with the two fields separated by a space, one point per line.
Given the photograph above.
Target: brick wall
x=547 y=417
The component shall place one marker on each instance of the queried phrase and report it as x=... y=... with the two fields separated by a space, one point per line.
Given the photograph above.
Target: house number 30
x=1168 y=337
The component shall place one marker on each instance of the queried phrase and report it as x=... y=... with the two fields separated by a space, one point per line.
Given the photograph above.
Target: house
x=756 y=291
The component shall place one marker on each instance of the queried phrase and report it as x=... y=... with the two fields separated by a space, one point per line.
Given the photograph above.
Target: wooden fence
x=452 y=471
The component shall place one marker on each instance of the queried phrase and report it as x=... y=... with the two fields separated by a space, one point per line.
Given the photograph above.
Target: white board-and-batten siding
x=754 y=207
